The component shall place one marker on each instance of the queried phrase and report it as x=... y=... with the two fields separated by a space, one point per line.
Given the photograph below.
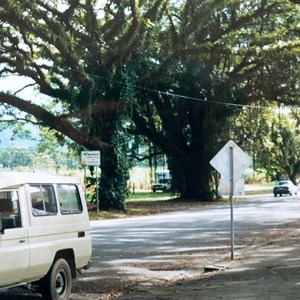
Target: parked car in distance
x=284 y=187
x=163 y=186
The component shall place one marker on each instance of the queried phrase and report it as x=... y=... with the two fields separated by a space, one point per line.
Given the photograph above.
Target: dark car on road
x=285 y=187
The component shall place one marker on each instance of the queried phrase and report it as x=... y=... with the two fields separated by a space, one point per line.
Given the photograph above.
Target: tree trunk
x=113 y=182
x=192 y=172
x=114 y=167
x=191 y=177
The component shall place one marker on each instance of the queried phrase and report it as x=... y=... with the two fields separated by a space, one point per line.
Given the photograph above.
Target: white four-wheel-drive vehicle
x=44 y=233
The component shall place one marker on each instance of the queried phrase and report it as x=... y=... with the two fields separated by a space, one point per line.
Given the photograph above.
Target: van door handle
x=21 y=241
x=81 y=234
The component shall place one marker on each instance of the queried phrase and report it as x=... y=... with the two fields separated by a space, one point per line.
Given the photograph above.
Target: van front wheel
x=57 y=284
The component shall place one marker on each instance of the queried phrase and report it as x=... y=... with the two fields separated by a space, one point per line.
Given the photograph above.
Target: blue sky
x=14 y=84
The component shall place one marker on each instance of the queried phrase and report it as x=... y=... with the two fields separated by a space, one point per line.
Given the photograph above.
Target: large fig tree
x=177 y=69
x=206 y=60
x=75 y=53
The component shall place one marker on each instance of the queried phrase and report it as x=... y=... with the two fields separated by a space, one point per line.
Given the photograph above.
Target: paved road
x=137 y=250
x=119 y=243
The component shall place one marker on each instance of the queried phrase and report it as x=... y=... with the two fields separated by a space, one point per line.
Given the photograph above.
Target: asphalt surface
x=153 y=252
x=163 y=256
x=127 y=245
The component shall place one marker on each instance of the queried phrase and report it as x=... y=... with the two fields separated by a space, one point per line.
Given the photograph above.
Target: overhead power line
x=172 y=94
x=175 y=95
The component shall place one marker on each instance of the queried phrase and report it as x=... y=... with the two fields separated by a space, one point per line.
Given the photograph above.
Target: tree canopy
x=207 y=61
x=74 y=52
x=173 y=71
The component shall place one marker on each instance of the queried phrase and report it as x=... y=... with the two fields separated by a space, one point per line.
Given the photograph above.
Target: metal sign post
x=97 y=195
x=84 y=181
x=231 y=200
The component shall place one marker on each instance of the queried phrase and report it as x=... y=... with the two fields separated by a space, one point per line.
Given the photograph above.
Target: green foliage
x=15 y=158
x=174 y=72
x=11 y=158
x=60 y=150
x=219 y=56
x=282 y=150
x=271 y=135
x=75 y=55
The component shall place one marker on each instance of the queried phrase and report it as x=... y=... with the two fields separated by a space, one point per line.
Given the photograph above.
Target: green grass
x=149 y=196
x=261 y=188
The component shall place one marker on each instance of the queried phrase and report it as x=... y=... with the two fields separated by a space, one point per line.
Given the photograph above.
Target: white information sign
x=90 y=158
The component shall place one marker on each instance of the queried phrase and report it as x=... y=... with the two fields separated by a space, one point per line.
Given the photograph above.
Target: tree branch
x=55 y=122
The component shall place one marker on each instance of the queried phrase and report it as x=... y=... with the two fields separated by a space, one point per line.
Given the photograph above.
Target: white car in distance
x=285 y=187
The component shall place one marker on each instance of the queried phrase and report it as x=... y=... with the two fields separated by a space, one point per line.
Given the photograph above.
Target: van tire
x=57 y=285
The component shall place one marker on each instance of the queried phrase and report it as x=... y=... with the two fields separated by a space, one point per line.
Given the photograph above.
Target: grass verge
x=141 y=204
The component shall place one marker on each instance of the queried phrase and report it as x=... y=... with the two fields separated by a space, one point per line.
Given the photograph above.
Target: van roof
x=13 y=179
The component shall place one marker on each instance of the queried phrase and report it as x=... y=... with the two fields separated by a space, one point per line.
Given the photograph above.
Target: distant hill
x=7 y=139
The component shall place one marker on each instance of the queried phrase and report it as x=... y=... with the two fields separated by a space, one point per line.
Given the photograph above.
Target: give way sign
x=240 y=161
x=231 y=161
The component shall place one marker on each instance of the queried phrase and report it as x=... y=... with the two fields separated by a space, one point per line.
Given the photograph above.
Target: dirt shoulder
x=143 y=208
x=269 y=268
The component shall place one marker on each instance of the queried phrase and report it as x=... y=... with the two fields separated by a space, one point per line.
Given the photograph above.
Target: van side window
x=69 y=199
x=10 y=209
x=43 y=200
